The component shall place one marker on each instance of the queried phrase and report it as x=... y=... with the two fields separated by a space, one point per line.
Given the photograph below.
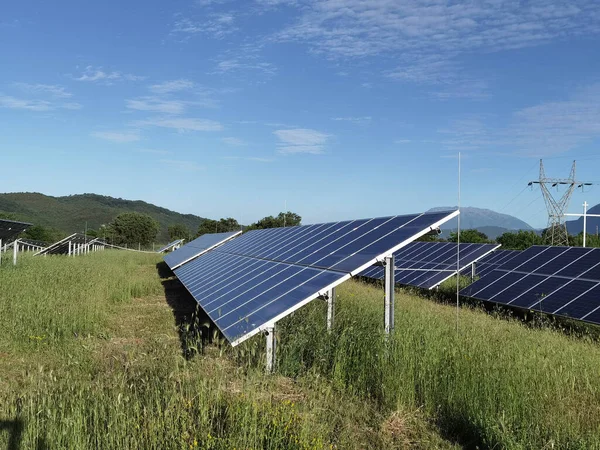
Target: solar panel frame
x=170 y=244
x=426 y=265
x=538 y=266
x=194 y=248
x=337 y=272
x=62 y=247
x=10 y=229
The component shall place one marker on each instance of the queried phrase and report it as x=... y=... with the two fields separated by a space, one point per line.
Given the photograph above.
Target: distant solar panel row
x=260 y=277
x=197 y=247
x=428 y=264
x=171 y=245
x=62 y=247
x=563 y=281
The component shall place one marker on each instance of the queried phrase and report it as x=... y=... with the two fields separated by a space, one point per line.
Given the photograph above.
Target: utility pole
x=556 y=233
x=585 y=216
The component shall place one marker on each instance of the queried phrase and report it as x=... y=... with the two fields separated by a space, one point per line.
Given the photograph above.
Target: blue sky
x=339 y=108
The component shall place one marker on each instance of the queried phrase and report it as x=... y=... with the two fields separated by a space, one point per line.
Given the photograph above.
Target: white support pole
x=15 y=251
x=70 y=247
x=0 y=251
x=585 y=205
x=389 y=294
x=330 y=308
x=271 y=348
x=473 y=271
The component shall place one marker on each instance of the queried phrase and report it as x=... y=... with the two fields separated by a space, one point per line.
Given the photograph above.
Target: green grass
x=90 y=356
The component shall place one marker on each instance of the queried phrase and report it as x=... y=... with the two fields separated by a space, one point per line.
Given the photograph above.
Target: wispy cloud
x=428 y=38
x=301 y=140
x=156 y=104
x=97 y=74
x=402 y=141
x=249 y=158
x=44 y=89
x=241 y=63
x=181 y=124
x=152 y=151
x=7 y=101
x=168 y=87
x=217 y=26
x=117 y=136
x=237 y=142
x=181 y=165
x=357 y=120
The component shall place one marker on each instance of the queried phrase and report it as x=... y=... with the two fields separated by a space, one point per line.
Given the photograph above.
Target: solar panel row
x=563 y=281
x=494 y=260
x=171 y=245
x=428 y=264
x=197 y=247
x=249 y=283
x=62 y=247
x=10 y=229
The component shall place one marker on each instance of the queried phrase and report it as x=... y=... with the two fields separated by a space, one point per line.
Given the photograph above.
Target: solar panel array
x=563 y=281
x=494 y=260
x=171 y=245
x=197 y=247
x=251 y=282
x=10 y=229
x=428 y=264
x=62 y=247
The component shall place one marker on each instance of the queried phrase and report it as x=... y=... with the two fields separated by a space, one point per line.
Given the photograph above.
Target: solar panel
x=494 y=260
x=197 y=247
x=10 y=229
x=171 y=245
x=62 y=247
x=563 y=281
x=251 y=282
x=428 y=264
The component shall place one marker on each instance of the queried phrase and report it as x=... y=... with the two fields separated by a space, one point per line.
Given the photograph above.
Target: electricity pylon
x=557 y=234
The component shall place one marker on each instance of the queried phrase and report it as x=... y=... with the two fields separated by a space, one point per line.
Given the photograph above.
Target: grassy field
x=99 y=351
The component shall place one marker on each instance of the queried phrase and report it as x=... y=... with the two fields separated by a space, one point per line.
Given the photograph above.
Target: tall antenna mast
x=557 y=234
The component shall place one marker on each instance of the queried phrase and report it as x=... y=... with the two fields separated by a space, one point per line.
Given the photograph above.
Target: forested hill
x=69 y=214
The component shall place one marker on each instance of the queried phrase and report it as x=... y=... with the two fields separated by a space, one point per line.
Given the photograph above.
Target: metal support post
x=389 y=294
x=330 y=308
x=0 y=251
x=271 y=348
x=15 y=251
x=473 y=272
x=70 y=247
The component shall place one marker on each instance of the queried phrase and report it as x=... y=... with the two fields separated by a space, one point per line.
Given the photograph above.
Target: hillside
x=593 y=223
x=70 y=213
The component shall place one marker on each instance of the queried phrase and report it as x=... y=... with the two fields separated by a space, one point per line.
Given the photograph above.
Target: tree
x=520 y=240
x=471 y=236
x=287 y=219
x=591 y=240
x=179 y=231
x=218 y=226
x=44 y=234
x=133 y=228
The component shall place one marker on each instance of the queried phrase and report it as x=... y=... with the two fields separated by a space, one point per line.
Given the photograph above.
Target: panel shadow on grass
x=14 y=428
x=193 y=325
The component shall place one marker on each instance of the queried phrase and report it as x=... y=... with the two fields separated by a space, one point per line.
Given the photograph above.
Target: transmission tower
x=557 y=234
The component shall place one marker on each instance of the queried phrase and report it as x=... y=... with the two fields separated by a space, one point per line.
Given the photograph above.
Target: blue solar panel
x=428 y=264
x=171 y=245
x=563 y=281
x=494 y=260
x=253 y=281
x=197 y=247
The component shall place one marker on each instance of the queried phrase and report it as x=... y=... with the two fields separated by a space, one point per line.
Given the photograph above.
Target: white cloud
x=156 y=104
x=181 y=123
x=358 y=120
x=172 y=86
x=117 y=136
x=7 y=101
x=97 y=74
x=402 y=141
x=218 y=26
x=234 y=141
x=301 y=140
x=245 y=63
x=50 y=89
x=249 y=158
x=152 y=151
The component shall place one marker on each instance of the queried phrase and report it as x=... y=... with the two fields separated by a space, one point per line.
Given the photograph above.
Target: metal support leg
x=271 y=348
x=389 y=294
x=330 y=308
x=0 y=251
x=473 y=272
x=15 y=251
x=70 y=247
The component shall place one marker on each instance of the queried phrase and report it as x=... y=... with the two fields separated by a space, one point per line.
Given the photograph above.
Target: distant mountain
x=471 y=217
x=593 y=223
x=69 y=214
